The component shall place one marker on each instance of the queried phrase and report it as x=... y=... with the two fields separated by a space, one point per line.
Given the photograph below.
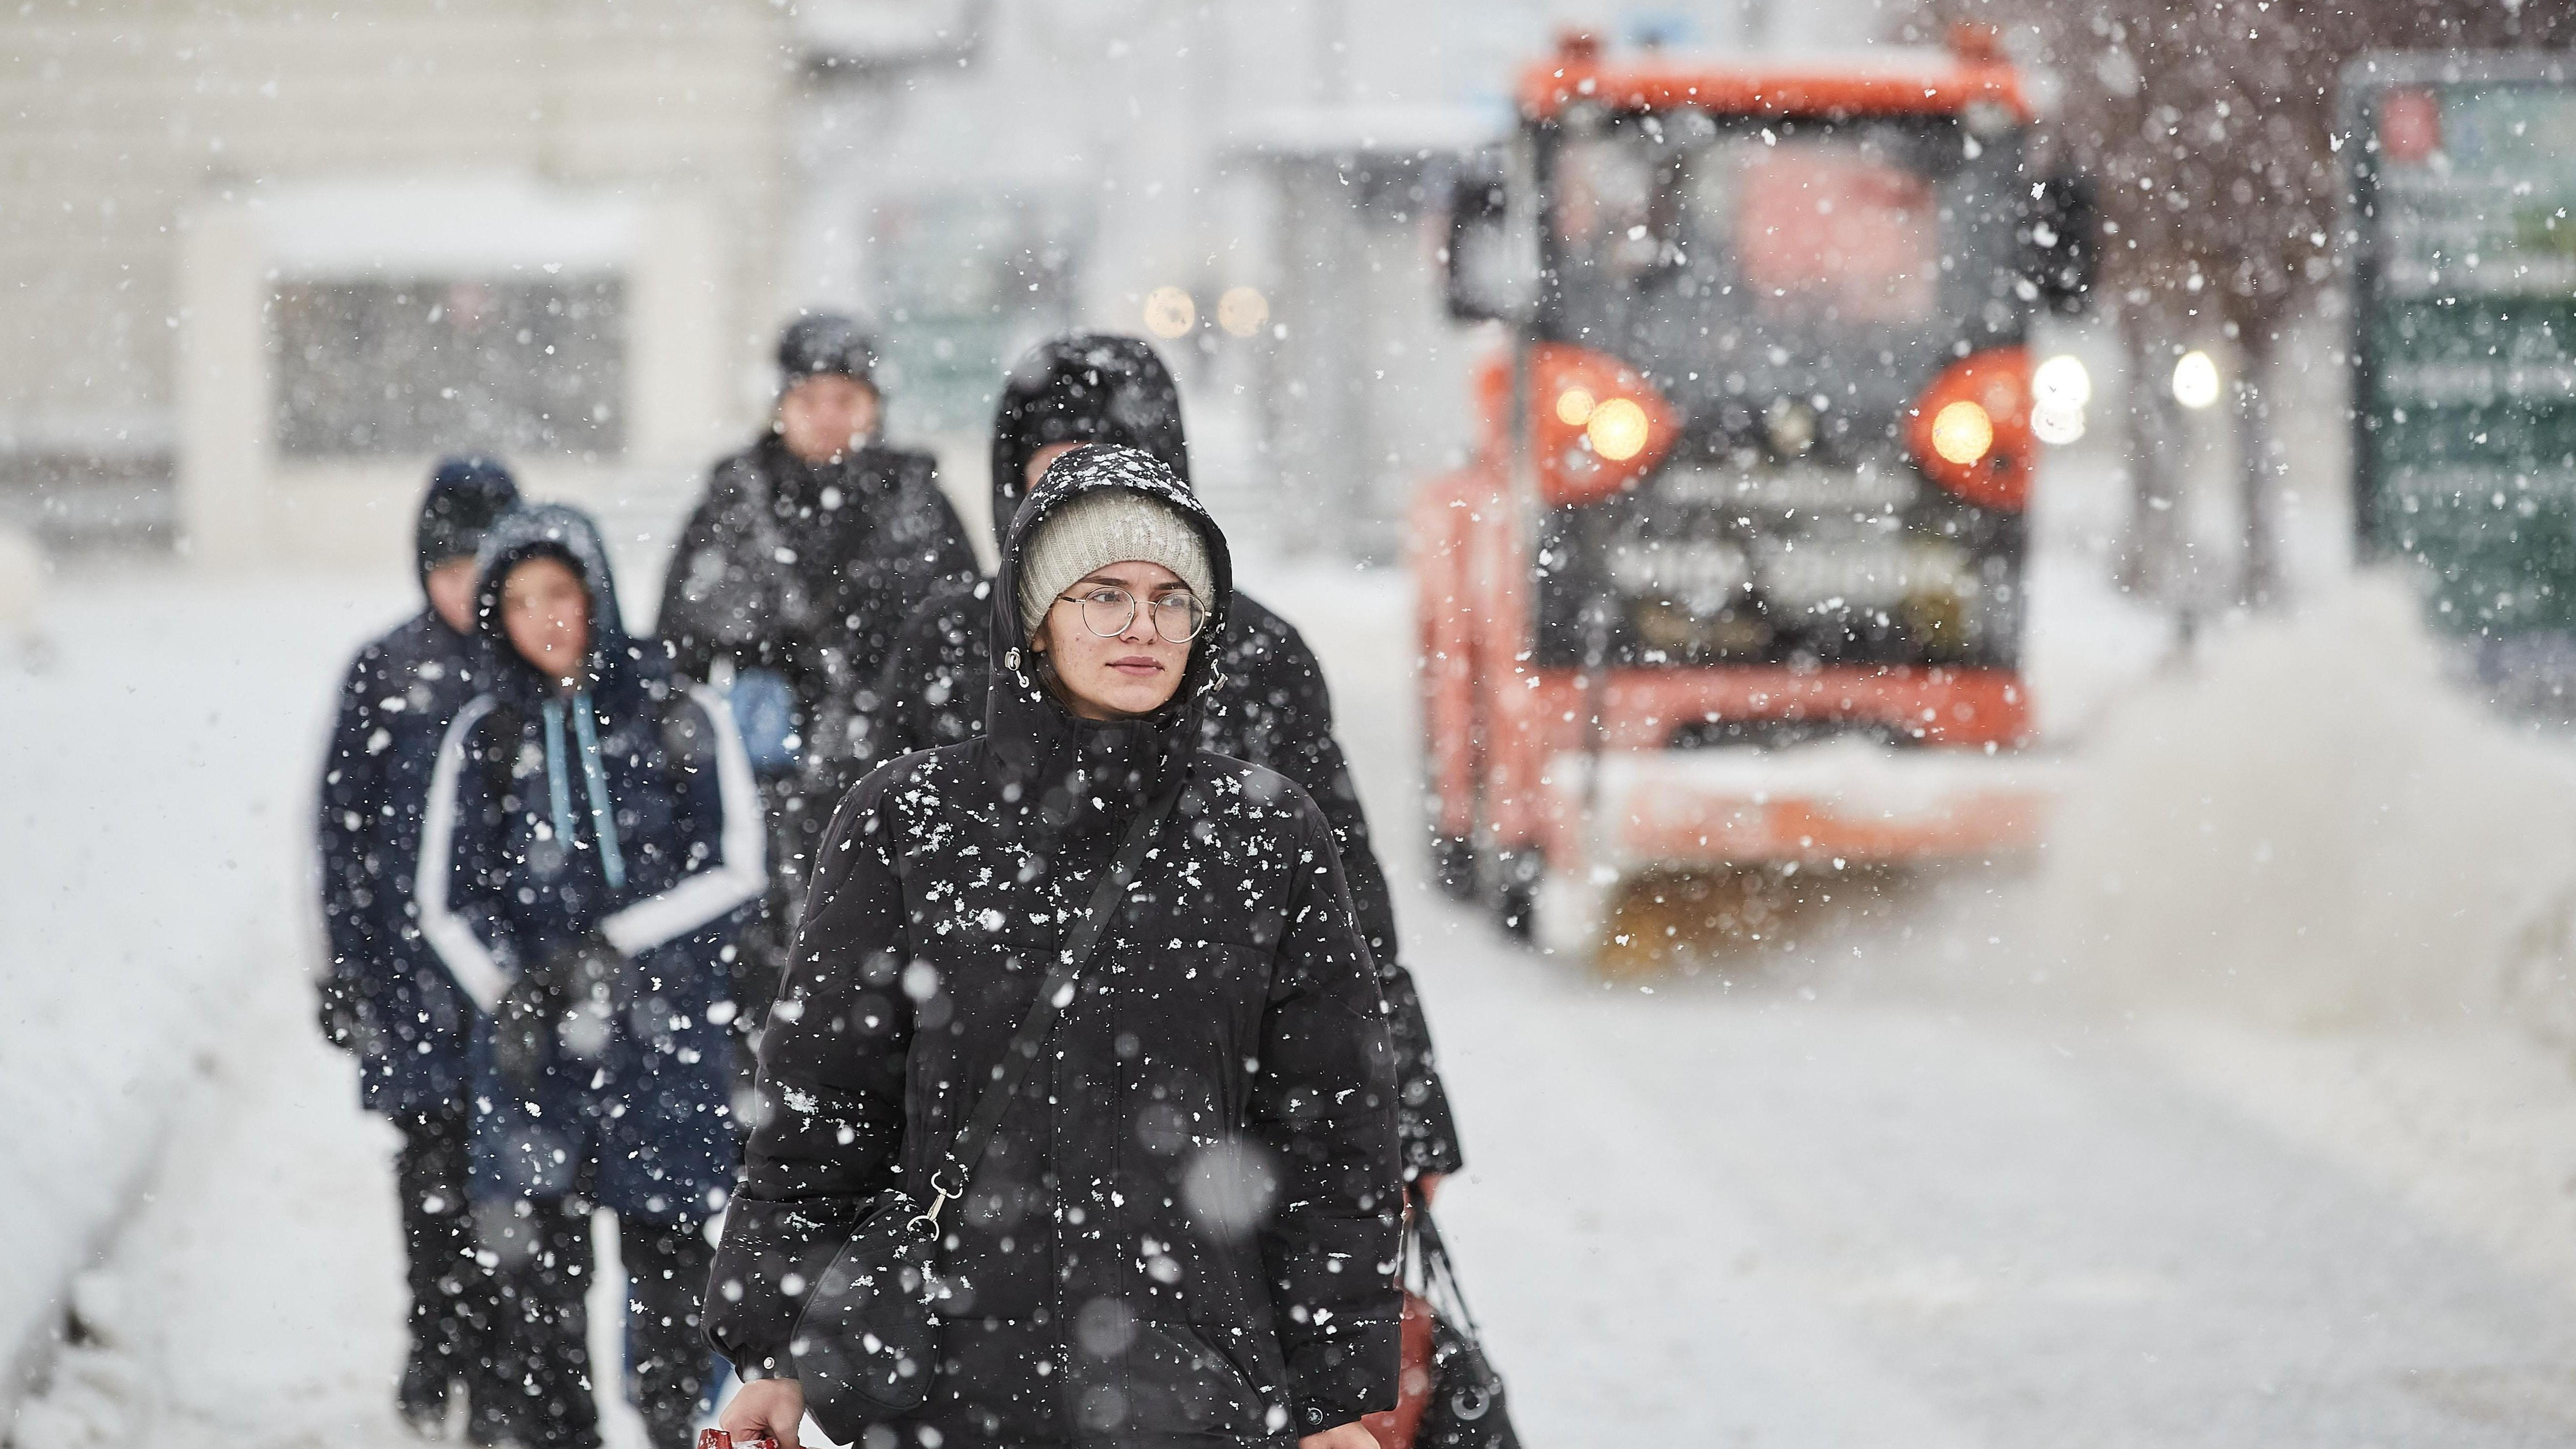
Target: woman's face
x=1134 y=673
x=546 y=613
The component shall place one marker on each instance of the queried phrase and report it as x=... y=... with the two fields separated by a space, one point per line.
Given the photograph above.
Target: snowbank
x=2314 y=827
x=153 y=855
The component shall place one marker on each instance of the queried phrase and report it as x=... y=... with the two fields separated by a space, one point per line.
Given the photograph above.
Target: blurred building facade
x=270 y=260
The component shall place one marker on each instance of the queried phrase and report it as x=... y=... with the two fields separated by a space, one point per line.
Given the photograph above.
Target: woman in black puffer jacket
x=1269 y=705
x=1185 y=1229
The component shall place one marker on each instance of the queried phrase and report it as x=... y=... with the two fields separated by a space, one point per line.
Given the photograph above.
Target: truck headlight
x=1618 y=429
x=1962 y=432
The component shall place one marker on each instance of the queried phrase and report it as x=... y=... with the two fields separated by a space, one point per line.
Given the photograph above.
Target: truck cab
x=1736 y=576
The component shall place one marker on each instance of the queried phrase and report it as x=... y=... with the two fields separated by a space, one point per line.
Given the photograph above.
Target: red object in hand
x=719 y=1439
x=1396 y=1427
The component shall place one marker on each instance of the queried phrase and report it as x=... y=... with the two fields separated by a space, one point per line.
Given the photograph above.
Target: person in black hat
x=385 y=997
x=1181 y=1227
x=788 y=584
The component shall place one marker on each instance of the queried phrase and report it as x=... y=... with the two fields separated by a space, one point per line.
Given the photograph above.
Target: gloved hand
x=337 y=1012
x=567 y=995
x=587 y=967
x=521 y=1025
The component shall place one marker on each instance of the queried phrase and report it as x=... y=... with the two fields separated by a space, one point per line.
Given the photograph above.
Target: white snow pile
x=153 y=856
x=2315 y=827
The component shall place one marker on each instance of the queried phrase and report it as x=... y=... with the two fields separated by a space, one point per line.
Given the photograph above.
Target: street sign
x=2462 y=174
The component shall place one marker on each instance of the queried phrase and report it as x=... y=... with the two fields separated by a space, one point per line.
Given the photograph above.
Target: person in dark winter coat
x=790 y=579
x=1269 y=706
x=1184 y=1229
x=385 y=996
x=594 y=836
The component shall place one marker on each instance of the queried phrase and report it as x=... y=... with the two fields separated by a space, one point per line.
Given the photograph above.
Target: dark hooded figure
x=594 y=835
x=790 y=579
x=1269 y=706
x=1184 y=1230
x=385 y=996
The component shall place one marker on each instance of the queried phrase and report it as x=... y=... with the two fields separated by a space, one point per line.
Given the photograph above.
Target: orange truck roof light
x=1940 y=85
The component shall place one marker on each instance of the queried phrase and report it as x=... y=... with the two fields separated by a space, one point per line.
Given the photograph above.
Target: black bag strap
x=948 y=1181
x=1438 y=1271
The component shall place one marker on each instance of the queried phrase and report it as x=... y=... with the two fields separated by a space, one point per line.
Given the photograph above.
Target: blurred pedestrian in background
x=385 y=997
x=789 y=581
x=1268 y=704
x=1182 y=1225
x=593 y=838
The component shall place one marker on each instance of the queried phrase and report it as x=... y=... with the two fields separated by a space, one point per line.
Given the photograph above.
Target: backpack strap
x=1056 y=992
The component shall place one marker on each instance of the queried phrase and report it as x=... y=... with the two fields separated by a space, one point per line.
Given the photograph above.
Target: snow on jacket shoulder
x=396 y=702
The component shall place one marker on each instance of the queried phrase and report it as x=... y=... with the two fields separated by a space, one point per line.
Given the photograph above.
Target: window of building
x=369 y=368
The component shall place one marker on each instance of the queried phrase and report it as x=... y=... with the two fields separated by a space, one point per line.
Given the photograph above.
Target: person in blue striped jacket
x=593 y=843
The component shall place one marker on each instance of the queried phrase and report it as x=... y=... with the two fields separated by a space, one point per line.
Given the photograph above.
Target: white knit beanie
x=1100 y=528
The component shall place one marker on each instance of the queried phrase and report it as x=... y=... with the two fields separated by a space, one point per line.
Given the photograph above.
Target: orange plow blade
x=1853 y=803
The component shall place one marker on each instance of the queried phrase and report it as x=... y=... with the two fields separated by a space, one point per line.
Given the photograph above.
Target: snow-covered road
x=1707 y=1217
x=1872 y=1185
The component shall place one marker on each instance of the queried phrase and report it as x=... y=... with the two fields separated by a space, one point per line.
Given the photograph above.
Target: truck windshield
x=1839 y=225
x=1790 y=256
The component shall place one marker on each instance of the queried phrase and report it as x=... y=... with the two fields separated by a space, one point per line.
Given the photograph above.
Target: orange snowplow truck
x=1736 y=575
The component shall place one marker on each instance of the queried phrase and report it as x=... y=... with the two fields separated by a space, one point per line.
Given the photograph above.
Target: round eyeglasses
x=1109 y=611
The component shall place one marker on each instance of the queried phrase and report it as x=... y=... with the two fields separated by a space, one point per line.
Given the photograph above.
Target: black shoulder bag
x=865 y=1346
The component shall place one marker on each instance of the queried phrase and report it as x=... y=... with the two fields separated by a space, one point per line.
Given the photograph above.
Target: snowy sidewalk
x=1871 y=1189
x=257 y=1297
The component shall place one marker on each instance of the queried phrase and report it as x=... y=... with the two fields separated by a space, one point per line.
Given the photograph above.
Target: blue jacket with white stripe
x=624 y=809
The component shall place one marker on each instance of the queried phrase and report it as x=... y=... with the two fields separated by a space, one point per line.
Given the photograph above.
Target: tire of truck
x=1453 y=866
x=1516 y=910
x=1517 y=874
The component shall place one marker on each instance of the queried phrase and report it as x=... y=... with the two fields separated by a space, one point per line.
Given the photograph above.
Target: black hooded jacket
x=395 y=704
x=1185 y=1229
x=808 y=568
x=1270 y=706
x=805 y=570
